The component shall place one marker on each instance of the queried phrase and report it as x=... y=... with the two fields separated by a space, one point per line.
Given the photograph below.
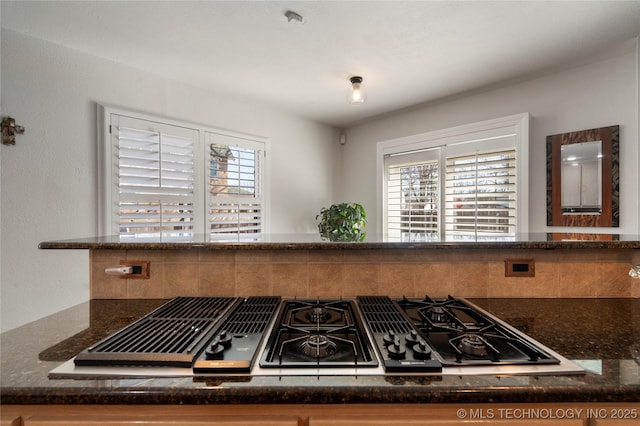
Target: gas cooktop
x=368 y=335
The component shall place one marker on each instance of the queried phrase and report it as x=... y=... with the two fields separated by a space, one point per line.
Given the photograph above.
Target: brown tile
x=105 y=286
x=544 y=284
x=253 y=256
x=615 y=280
x=326 y=256
x=361 y=256
x=216 y=256
x=470 y=279
x=216 y=279
x=253 y=279
x=397 y=279
x=180 y=279
x=290 y=256
x=474 y=256
x=290 y=280
x=397 y=256
x=151 y=288
x=433 y=279
x=326 y=279
x=579 y=279
x=619 y=255
x=180 y=256
x=145 y=255
x=106 y=257
x=361 y=279
x=435 y=256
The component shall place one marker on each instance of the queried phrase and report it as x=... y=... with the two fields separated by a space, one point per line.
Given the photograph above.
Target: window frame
x=518 y=124
x=106 y=182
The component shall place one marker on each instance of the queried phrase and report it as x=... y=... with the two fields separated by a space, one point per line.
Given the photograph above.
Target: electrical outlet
x=519 y=268
x=140 y=269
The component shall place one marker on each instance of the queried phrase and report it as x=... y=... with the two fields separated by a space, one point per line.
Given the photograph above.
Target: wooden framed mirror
x=583 y=178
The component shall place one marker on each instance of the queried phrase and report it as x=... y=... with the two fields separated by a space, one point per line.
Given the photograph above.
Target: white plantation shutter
x=481 y=194
x=234 y=201
x=154 y=168
x=467 y=182
x=413 y=196
x=169 y=180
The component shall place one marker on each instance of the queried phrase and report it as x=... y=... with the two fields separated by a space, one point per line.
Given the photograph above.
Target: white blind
x=480 y=194
x=154 y=177
x=413 y=196
x=235 y=202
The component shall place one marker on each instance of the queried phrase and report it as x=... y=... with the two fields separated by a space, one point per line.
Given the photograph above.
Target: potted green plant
x=342 y=222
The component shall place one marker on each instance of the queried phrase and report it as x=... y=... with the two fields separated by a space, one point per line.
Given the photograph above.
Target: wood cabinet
x=408 y=421
x=10 y=420
x=542 y=414
x=141 y=420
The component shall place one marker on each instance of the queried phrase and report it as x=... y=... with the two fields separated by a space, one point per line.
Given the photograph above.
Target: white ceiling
x=408 y=52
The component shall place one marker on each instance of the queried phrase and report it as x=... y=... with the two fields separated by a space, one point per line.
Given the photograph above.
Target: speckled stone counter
x=371 y=241
x=603 y=333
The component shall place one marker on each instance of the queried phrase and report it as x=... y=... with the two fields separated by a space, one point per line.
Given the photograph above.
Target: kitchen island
x=577 y=299
x=600 y=334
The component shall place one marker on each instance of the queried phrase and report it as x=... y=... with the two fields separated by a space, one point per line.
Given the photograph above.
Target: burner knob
x=422 y=350
x=396 y=351
x=390 y=338
x=224 y=339
x=215 y=351
x=412 y=338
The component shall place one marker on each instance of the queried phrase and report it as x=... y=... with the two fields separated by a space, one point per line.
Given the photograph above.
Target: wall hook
x=9 y=131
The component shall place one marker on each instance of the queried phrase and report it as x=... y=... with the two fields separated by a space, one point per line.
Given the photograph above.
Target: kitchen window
x=464 y=183
x=166 y=179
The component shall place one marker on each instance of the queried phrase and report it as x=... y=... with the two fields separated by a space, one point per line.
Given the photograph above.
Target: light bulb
x=357 y=94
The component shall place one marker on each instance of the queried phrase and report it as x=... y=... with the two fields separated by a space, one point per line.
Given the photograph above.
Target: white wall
x=595 y=95
x=48 y=179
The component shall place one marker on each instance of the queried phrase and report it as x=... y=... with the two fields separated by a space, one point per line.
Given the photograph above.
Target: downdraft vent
x=382 y=316
x=172 y=335
x=253 y=316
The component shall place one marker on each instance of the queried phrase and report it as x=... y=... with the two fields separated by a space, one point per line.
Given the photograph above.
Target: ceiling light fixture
x=357 y=94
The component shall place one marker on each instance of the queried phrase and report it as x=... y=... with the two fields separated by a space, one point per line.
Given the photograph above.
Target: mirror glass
x=581 y=177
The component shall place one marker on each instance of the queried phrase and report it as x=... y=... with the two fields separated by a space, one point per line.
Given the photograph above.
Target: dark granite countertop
x=602 y=332
x=371 y=241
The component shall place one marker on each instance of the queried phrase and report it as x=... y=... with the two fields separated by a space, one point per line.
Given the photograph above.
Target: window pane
x=235 y=205
x=413 y=201
x=481 y=194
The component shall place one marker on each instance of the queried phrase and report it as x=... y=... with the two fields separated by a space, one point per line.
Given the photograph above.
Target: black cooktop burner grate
x=318 y=333
x=462 y=335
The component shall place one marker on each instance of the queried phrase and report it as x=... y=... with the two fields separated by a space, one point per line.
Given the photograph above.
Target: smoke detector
x=293 y=16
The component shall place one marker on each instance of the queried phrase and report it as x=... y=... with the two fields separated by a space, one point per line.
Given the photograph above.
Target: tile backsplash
x=346 y=273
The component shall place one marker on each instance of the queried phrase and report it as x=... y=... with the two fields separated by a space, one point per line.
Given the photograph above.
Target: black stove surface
x=461 y=334
x=318 y=333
